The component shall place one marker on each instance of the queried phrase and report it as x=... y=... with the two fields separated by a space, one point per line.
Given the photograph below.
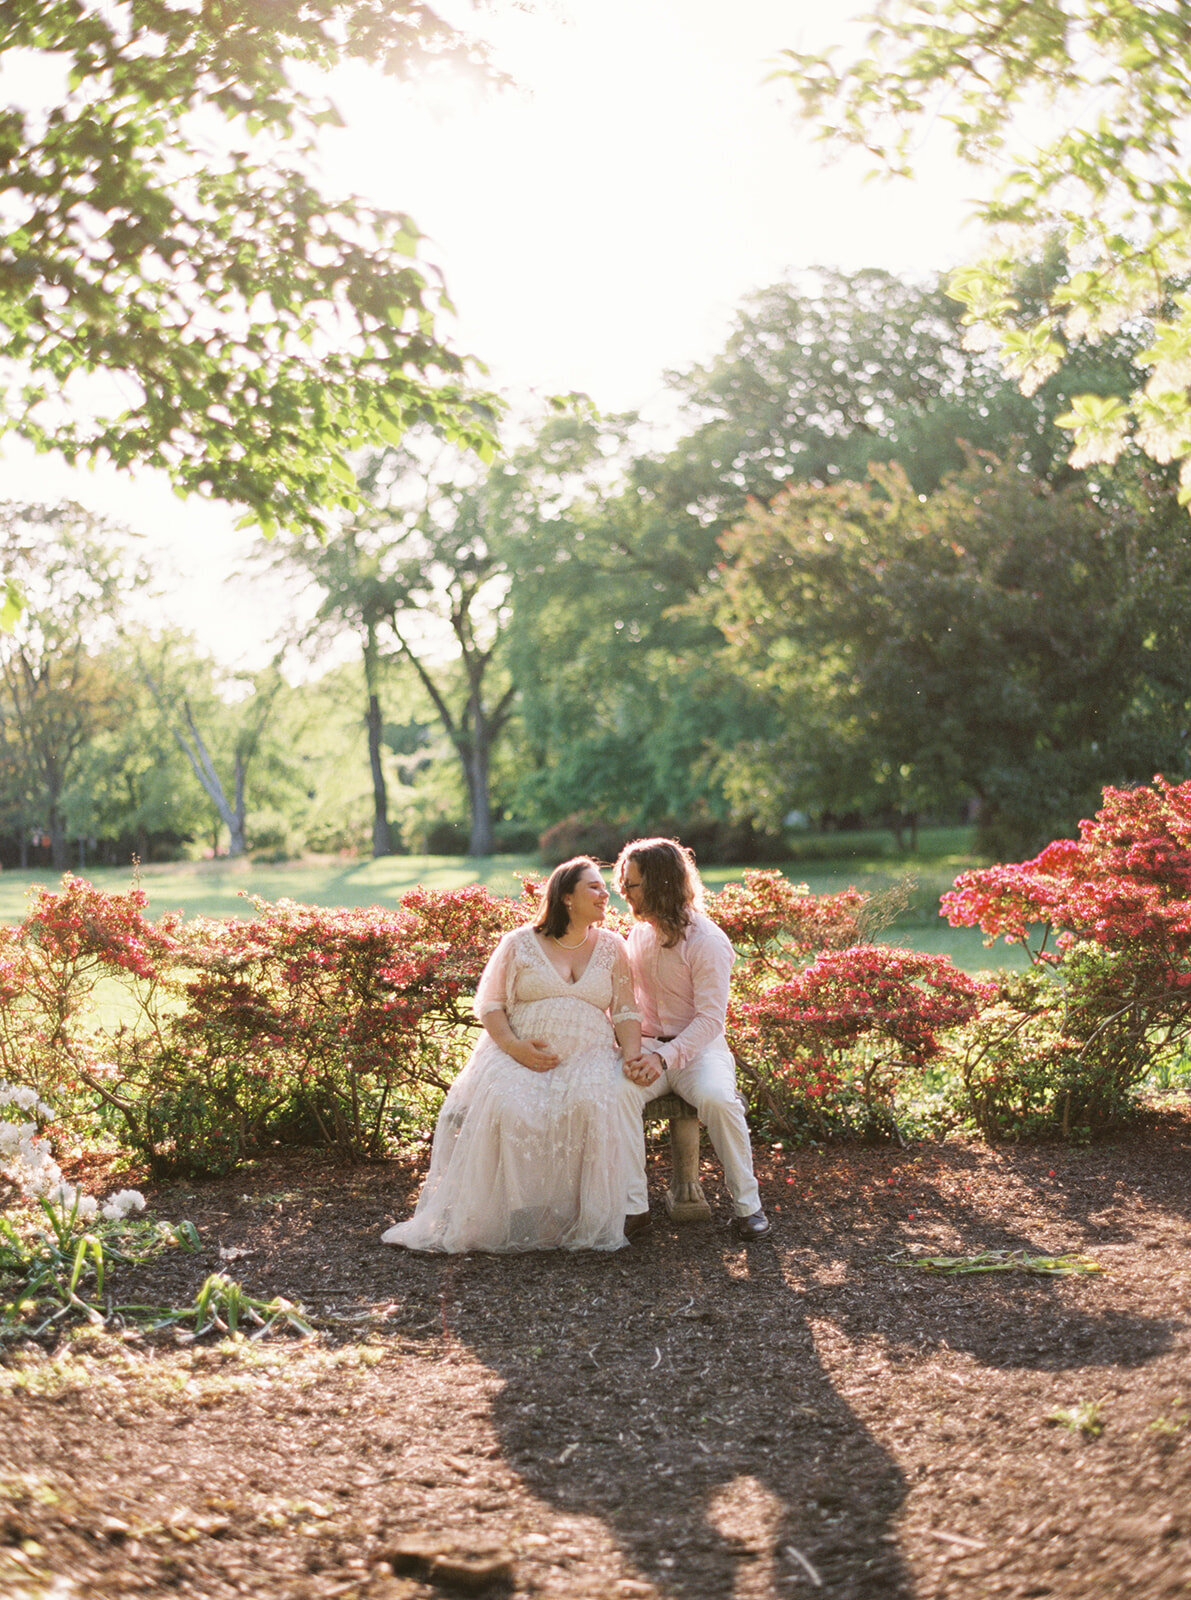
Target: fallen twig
x=801 y=1559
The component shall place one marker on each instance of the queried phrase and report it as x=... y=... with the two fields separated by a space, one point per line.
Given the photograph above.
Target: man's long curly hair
x=670 y=882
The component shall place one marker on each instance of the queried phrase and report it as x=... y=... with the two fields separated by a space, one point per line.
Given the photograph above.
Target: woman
x=526 y=1153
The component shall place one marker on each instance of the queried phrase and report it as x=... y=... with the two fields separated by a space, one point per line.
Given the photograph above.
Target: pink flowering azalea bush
x=1106 y=920
x=73 y=942
x=776 y=925
x=831 y=1046
x=336 y=1025
x=346 y=1026
x=331 y=1023
x=827 y=1027
x=328 y=1021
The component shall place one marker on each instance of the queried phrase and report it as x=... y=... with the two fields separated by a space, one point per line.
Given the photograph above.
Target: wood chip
x=470 y=1572
x=956 y=1539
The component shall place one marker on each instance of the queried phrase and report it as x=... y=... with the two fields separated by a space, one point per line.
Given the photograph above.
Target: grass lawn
x=225 y=888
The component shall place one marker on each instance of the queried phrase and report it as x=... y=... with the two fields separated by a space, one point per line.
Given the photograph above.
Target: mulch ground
x=686 y=1418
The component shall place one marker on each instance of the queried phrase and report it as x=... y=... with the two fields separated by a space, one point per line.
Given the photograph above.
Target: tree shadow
x=685 y=1393
x=676 y=1395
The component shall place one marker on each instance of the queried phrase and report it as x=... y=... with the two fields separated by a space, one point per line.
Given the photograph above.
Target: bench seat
x=685 y=1200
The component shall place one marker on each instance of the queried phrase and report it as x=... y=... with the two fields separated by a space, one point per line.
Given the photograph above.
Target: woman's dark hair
x=669 y=880
x=553 y=917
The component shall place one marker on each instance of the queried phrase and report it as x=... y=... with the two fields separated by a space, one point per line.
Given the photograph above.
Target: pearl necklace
x=563 y=946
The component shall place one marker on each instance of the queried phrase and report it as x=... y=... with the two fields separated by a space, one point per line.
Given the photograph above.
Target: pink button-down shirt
x=682 y=991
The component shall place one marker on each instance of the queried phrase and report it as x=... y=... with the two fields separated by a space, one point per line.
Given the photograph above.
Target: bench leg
x=685 y=1200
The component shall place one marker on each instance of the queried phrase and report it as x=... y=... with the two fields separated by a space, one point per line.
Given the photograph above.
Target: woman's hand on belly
x=535 y=1054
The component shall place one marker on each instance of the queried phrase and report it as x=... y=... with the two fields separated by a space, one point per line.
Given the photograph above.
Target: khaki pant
x=709 y=1084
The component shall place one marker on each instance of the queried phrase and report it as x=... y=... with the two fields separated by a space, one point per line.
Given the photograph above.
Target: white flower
x=72 y=1199
x=26 y=1161
x=24 y=1099
x=120 y=1205
x=11 y=1135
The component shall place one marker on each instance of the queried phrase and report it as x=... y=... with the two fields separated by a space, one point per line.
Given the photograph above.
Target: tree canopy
x=175 y=288
x=1082 y=108
x=57 y=686
x=997 y=639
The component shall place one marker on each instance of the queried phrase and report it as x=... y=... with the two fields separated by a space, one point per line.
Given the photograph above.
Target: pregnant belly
x=568 y=1025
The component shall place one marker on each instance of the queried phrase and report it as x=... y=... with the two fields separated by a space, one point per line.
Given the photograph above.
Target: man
x=681 y=963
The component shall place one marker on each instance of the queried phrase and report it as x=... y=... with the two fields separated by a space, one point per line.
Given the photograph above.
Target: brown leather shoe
x=638 y=1223
x=758 y=1226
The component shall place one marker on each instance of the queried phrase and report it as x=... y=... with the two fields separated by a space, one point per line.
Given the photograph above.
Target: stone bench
x=685 y=1200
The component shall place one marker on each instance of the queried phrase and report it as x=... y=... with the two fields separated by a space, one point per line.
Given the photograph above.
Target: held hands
x=645 y=1069
x=536 y=1054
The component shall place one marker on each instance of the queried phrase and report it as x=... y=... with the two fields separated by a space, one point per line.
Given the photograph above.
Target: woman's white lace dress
x=528 y=1160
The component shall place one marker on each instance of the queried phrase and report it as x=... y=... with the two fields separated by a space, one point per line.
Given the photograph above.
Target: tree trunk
x=237 y=843
x=382 y=838
x=232 y=816
x=472 y=747
x=475 y=767
x=59 y=844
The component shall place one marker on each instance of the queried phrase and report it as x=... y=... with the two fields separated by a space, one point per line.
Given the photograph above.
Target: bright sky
x=597 y=226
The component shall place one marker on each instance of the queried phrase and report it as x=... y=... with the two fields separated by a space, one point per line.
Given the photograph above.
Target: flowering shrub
x=328 y=1014
x=346 y=1026
x=336 y=1025
x=1015 y=1062
x=824 y=1048
x=72 y=941
x=25 y=1158
x=1125 y=883
x=231 y=1031
x=777 y=925
x=1067 y=1048
x=82 y=930
x=831 y=1045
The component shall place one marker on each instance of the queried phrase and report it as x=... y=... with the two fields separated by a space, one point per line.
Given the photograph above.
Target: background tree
x=999 y=639
x=356 y=593
x=320 y=718
x=131 y=791
x=618 y=712
x=452 y=582
x=220 y=723
x=163 y=227
x=1108 y=85
x=56 y=687
x=424 y=569
x=827 y=372
x=627 y=707
x=822 y=376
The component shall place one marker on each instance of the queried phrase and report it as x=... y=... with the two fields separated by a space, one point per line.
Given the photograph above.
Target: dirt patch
x=687 y=1418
